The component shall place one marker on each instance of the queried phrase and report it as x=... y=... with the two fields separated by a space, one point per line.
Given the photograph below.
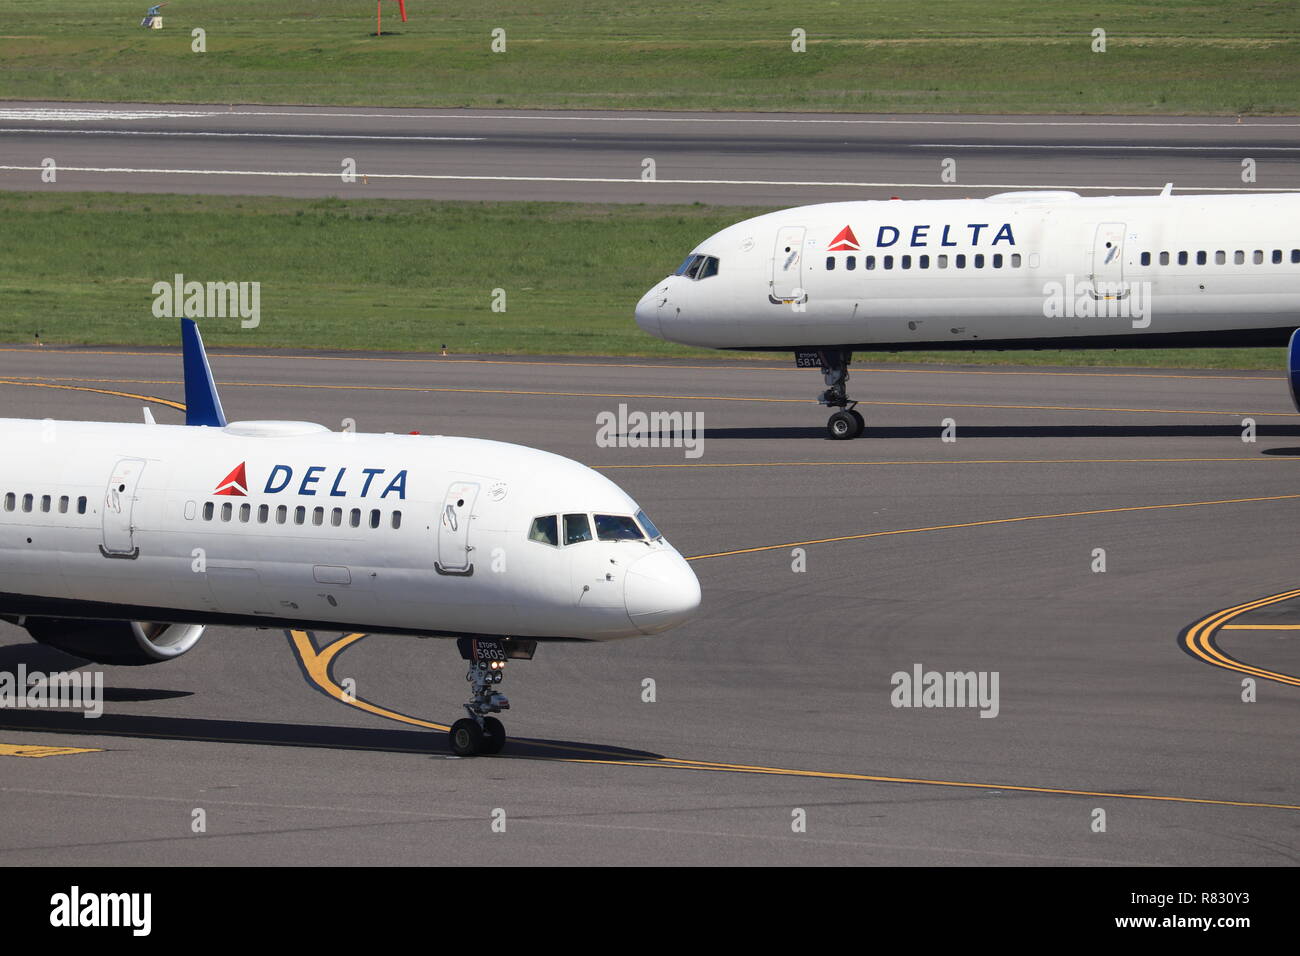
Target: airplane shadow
x=206 y=730
x=1013 y=431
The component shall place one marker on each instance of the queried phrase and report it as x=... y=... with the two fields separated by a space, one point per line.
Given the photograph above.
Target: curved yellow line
x=153 y=399
x=1199 y=639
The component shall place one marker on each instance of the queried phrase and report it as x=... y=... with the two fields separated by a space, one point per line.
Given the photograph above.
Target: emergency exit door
x=454 y=547
x=787 y=265
x=119 y=510
x=1108 y=261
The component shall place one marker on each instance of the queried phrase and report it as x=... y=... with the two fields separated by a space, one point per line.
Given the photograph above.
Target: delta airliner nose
x=647 y=311
x=660 y=592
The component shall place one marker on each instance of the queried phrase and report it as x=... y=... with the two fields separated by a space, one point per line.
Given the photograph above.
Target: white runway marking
x=145 y=132
x=58 y=114
x=638 y=181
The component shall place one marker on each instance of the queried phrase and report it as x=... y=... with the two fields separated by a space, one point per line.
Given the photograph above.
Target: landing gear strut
x=481 y=733
x=848 y=421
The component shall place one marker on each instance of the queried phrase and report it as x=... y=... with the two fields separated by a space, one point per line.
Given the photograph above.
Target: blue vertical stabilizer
x=202 y=403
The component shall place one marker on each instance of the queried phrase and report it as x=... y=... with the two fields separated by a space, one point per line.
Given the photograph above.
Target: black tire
x=862 y=422
x=465 y=738
x=843 y=425
x=494 y=735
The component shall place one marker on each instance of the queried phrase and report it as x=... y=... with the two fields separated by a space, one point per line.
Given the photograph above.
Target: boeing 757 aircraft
x=1018 y=270
x=120 y=543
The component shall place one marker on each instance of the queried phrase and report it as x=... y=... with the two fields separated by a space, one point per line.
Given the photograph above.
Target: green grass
x=407 y=275
x=862 y=55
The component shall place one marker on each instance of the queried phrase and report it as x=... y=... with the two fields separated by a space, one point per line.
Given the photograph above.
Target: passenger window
x=617 y=528
x=355 y=518
x=317 y=516
x=889 y=262
x=263 y=514
x=850 y=262
x=1182 y=258
x=300 y=515
x=1201 y=258
x=1164 y=258
x=65 y=501
x=997 y=260
x=1259 y=257
x=227 y=510
x=45 y=503
x=1015 y=260
x=81 y=505
x=208 y=510
x=397 y=520
x=1277 y=256
x=245 y=512
x=868 y=262
x=1239 y=257
x=374 y=518
x=1220 y=257
x=27 y=503
x=282 y=514
x=1145 y=259
x=577 y=528
x=336 y=517
x=546 y=530
x=923 y=262
x=11 y=501
x=830 y=263
x=1295 y=256
x=943 y=262
x=961 y=260
x=979 y=260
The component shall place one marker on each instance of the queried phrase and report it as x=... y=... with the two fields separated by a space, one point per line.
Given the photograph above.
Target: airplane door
x=1108 y=261
x=119 y=509
x=787 y=265
x=453 y=529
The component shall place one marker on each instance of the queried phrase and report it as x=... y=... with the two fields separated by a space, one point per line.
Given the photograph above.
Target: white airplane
x=120 y=543
x=1018 y=270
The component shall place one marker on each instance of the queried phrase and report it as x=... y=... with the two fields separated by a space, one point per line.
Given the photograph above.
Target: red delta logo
x=845 y=241
x=234 y=484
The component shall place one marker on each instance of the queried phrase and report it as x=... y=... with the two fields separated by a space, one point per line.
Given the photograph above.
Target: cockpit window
x=617 y=528
x=698 y=267
x=576 y=528
x=546 y=530
x=651 y=531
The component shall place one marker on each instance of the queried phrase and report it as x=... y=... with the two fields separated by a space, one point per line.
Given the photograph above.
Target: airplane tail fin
x=202 y=403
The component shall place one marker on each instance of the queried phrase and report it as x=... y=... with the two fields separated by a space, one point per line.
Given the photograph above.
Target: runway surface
x=717 y=158
x=1119 y=690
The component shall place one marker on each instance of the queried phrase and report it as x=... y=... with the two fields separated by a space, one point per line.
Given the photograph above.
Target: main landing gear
x=481 y=733
x=848 y=421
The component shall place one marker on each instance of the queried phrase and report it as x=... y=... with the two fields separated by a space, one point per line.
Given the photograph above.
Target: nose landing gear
x=481 y=733
x=848 y=421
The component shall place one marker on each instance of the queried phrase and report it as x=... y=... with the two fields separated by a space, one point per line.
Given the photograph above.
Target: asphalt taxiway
x=629 y=157
x=1119 y=690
